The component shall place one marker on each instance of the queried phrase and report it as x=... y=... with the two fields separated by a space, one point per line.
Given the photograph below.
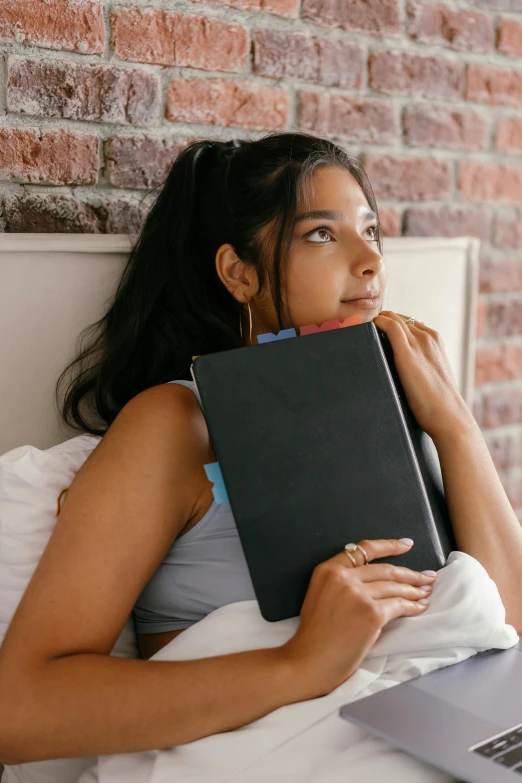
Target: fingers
x=380 y=590
x=374 y=572
x=377 y=572
x=375 y=548
x=418 y=325
x=393 y=322
x=391 y=608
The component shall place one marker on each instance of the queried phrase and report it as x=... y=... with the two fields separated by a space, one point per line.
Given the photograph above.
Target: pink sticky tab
x=351 y=320
x=326 y=326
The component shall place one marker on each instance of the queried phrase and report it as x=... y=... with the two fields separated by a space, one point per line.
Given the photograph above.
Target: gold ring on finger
x=354 y=547
x=364 y=553
x=352 y=558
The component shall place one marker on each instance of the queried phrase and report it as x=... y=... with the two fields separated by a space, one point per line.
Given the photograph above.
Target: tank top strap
x=191 y=385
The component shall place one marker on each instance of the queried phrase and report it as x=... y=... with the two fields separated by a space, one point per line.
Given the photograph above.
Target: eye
x=324 y=230
x=375 y=233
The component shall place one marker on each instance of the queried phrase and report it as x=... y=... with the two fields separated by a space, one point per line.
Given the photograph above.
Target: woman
x=244 y=238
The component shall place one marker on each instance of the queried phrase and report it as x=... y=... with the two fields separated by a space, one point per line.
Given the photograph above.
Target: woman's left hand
x=425 y=373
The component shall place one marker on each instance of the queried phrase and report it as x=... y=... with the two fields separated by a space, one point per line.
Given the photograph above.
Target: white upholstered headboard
x=53 y=285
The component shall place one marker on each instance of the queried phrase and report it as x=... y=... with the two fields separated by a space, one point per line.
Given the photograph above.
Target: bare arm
x=88 y=704
x=62 y=695
x=485 y=525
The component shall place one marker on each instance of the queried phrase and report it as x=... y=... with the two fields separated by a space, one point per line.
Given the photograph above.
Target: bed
x=54 y=285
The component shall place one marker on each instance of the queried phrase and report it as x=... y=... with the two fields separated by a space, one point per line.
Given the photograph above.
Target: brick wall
x=96 y=98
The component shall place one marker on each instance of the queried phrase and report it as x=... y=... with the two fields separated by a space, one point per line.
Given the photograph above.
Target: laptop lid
x=465 y=719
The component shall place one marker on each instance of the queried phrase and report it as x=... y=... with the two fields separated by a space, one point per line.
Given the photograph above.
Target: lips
x=366 y=302
x=364 y=295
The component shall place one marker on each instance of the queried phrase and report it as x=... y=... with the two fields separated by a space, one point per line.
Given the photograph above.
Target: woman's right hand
x=345 y=609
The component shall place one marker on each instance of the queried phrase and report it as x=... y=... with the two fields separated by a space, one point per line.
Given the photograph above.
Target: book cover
x=317 y=447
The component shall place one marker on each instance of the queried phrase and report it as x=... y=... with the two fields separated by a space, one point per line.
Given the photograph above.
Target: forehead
x=331 y=187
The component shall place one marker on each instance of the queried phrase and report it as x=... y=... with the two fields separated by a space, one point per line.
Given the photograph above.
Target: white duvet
x=309 y=742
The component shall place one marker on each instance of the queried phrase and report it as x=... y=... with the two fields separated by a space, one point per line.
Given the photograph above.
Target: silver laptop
x=465 y=719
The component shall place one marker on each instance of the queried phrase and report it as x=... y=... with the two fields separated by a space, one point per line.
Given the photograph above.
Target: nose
x=367 y=261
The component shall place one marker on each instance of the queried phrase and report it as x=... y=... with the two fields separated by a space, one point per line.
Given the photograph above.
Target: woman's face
x=334 y=256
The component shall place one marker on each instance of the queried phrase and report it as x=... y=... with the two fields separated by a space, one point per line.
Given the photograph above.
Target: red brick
x=426 y=126
x=500 y=275
x=509 y=136
x=374 y=16
x=48 y=214
x=438 y=25
x=505 y=449
x=482 y=313
x=140 y=161
x=409 y=179
x=149 y=35
x=390 y=220
x=227 y=102
x=77 y=91
x=280 y=55
x=288 y=8
x=502 y=407
x=494 y=86
x=74 y=25
x=509 y=37
x=54 y=157
x=356 y=119
x=508 y=230
x=447 y=222
x=505 y=317
x=497 y=362
x=410 y=74
x=490 y=182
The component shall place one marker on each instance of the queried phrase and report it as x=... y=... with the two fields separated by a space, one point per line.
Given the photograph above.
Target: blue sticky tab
x=214 y=475
x=268 y=337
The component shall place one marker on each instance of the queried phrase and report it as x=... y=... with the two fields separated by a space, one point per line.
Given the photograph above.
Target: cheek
x=316 y=284
x=306 y=286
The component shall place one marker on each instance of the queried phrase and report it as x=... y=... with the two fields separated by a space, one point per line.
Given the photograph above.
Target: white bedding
x=308 y=742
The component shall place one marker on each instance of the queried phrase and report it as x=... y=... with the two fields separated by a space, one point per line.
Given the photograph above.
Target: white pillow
x=31 y=480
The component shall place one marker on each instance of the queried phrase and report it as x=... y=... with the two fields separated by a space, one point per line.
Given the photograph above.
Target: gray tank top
x=203 y=570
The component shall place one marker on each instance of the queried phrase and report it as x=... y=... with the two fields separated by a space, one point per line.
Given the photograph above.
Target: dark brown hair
x=170 y=303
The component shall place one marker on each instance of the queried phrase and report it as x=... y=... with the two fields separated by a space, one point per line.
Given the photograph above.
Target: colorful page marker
x=214 y=475
x=268 y=337
x=351 y=320
x=325 y=327
x=196 y=356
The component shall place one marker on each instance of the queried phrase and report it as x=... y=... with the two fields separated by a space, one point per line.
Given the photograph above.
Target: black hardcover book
x=318 y=447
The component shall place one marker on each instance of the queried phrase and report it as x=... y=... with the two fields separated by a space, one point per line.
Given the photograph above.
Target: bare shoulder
x=124 y=508
x=162 y=428
x=163 y=409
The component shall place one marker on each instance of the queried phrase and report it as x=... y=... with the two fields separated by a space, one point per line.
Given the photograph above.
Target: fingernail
x=406 y=541
x=427 y=588
x=430 y=573
x=423 y=601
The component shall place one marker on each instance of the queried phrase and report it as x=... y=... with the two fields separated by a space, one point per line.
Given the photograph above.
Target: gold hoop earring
x=241 y=324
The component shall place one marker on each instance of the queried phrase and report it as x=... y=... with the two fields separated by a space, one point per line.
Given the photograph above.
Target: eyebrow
x=326 y=214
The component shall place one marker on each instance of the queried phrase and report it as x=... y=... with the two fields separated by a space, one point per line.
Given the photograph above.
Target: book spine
x=395 y=385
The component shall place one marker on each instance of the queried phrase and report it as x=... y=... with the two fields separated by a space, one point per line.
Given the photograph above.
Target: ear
x=239 y=277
